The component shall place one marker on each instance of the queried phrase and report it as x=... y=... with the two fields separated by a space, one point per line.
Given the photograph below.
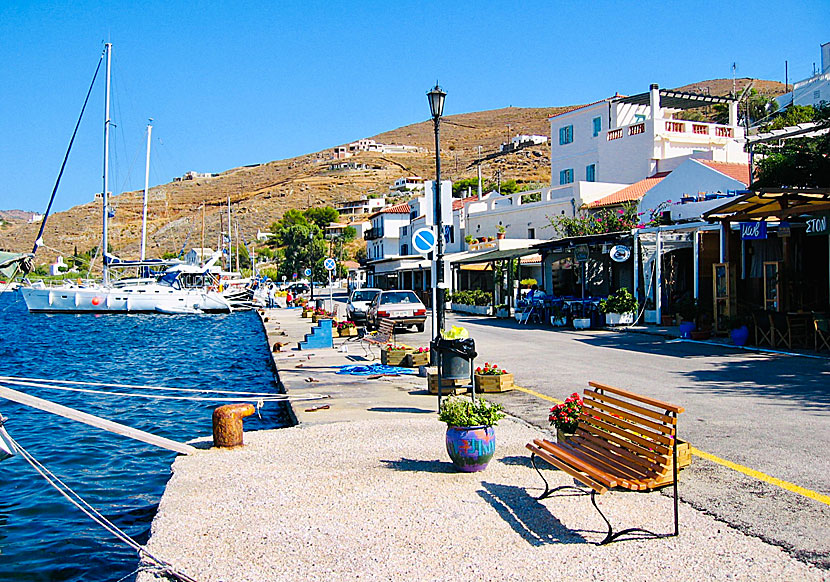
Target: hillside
x=261 y=194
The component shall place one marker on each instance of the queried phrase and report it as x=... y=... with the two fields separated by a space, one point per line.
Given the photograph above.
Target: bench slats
x=624 y=442
x=638 y=397
x=663 y=428
x=622 y=464
x=613 y=449
x=598 y=487
x=626 y=477
x=651 y=448
x=578 y=464
x=632 y=407
x=628 y=426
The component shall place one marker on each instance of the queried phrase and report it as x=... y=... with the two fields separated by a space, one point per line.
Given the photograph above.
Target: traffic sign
x=307 y=272
x=329 y=264
x=294 y=276
x=423 y=241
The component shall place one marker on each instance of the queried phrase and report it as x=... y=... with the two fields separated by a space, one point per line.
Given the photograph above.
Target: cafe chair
x=822 y=327
x=763 y=328
x=781 y=332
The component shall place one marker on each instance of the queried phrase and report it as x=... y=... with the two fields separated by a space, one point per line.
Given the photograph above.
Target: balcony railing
x=373 y=233
x=675 y=126
x=615 y=134
x=637 y=128
x=700 y=129
x=723 y=131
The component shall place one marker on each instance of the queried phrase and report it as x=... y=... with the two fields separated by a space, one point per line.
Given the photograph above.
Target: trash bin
x=456 y=357
x=320 y=303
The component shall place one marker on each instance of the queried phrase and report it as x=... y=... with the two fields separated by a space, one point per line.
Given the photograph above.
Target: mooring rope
x=258 y=398
x=79 y=502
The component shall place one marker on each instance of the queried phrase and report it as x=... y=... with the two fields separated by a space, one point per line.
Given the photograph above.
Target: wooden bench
x=622 y=440
x=384 y=335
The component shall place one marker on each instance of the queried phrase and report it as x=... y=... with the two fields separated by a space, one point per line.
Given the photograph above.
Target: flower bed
x=393 y=355
x=492 y=378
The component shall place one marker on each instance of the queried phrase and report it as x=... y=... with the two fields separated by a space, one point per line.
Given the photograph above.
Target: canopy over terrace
x=797 y=275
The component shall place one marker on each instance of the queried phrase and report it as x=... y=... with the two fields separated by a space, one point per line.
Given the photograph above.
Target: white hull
x=127 y=299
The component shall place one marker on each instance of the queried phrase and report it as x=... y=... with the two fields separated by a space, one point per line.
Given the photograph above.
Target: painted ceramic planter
x=739 y=335
x=471 y=447
x=582 y=323
x=619 y=318
x=686 y=329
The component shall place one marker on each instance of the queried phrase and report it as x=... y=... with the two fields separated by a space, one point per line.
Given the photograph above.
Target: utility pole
x=479 y=173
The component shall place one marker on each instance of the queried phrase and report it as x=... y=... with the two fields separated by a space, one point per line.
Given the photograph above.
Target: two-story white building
x=813 y=90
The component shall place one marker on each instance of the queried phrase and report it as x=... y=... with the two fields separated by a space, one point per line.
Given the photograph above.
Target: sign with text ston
x=818 y=224
x=756 y=230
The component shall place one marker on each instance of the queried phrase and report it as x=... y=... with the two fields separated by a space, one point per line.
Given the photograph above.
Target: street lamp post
x=310 y=264
x=436 y=106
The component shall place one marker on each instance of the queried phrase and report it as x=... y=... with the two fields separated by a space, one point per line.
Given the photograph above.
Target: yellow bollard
x=227 y=424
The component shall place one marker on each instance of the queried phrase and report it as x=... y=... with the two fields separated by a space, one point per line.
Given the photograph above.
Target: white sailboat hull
x=128 y=299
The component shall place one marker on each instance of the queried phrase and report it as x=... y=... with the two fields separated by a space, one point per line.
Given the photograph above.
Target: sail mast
x=104 y=236
x=146 y=188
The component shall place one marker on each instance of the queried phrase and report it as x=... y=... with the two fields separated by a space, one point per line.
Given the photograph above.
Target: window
x=597 y=125
x=566 y=176
x=403 y=230
x=404 y=250
x=531 y=233
x=591 y=173
x=566 y=134
x=817 y=95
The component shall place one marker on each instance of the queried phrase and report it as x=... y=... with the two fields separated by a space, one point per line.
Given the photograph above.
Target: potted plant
x=469 y=239
x=470 y=438
x=346 y=329
x=417 y=358
x=500 y=232
x=492 y=378
x=565 y=416
x=393 y=355
x=738 y=330
x=619 y=308
x=502 y=311
x=318 y=314
x=557 y=316
x=688 y=310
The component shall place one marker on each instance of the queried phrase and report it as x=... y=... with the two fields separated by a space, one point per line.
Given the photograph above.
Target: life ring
x=96 y=300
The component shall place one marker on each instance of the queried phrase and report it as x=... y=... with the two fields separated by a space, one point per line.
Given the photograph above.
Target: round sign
x=283 y=277
x=307 y=272
x=423 y=241
x=329 y=264
x=619 y=253
x=294 y=276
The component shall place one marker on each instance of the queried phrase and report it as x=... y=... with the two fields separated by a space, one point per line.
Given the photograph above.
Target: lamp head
x=436 y=101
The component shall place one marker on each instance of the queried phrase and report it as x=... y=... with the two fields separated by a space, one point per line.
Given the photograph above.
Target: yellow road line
x=763 y=477
x=728 y=464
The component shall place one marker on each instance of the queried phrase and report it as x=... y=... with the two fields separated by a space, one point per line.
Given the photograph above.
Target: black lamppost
x=311 y=263
x=436 y=107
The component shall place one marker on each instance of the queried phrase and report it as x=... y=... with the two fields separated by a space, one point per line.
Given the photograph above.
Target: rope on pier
x=79 y=502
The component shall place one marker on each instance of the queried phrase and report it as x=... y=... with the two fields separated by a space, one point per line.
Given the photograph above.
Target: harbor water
x=44 y=537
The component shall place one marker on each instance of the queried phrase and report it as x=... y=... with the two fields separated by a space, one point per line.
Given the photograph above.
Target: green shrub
x=475 y=297
x=463 y=412
x=620 y=302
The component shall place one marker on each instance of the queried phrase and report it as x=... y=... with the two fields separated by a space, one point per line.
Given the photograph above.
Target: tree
x=600 y=222
x=349 y=234
x=792 y=115
x=322 y=216
x=459 y=188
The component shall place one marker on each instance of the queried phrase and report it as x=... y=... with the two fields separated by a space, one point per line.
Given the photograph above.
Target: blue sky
x=235 y=83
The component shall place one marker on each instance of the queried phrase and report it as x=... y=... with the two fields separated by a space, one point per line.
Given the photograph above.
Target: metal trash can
x=320 y=303
x=456 y=357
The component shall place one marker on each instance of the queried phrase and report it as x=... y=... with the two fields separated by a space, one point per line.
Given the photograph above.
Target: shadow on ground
x=420 y=466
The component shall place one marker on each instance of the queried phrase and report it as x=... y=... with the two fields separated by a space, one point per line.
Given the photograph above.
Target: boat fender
x=227 y=424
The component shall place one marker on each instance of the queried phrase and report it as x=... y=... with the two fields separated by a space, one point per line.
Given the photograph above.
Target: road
x=767 y=412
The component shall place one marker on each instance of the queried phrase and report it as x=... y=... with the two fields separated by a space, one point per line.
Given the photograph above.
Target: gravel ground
x=379 y=500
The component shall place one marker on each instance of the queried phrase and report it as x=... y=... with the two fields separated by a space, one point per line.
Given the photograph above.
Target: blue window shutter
x=561 y=136
x=597 y=125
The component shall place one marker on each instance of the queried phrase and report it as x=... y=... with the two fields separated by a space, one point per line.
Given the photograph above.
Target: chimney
x=825 y=57
x=654 y=100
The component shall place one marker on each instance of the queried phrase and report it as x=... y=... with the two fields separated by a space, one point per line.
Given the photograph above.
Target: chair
x=781 y=330
x=822 y=327
x=763 y=328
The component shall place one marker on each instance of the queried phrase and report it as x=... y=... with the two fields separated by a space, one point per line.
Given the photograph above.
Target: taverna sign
x=619 y=253
x=753 y=230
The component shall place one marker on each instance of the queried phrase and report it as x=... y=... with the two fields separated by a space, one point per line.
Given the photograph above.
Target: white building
x=57 y=267
x=812 y=90
x=522 y=141
x=408 y=183
x=198 y=255
x=382 y=240
x=365 y=205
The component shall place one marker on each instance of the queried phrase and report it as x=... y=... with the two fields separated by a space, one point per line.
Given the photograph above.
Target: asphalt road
x=768 y=412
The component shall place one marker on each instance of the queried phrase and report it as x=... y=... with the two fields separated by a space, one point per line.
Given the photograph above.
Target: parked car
x=299 y=289
x=358 y=303
x=402 y=307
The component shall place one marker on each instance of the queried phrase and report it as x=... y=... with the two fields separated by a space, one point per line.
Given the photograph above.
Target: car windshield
x=399 y=297
x=364 y=295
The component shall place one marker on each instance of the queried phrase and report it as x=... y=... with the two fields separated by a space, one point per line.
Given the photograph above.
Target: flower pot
x=686 y=329
x=416 y=359
x=471 y=447
x=700 y=334
x=306 y=314
x=393 y=357
x=500 y=235
x=558 y=321
x=582 y=322
x=347 y=332
x=739 y=335
x=562 y=436
x=493 y=382
x=619 y=318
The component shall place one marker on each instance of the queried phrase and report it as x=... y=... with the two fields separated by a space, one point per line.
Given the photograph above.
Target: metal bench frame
x=384 y=334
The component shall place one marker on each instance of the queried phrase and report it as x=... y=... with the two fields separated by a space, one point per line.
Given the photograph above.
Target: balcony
x=373 y=234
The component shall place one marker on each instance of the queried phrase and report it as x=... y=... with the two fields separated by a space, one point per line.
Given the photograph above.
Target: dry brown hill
x=262 y=194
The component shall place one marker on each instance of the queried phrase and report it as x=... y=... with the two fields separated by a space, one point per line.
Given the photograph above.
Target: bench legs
x=611 y=535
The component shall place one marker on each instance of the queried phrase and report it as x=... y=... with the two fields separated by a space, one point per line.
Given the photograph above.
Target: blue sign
x=329 y=264
x=423 y=241
x=307 y=272
x=753 y=230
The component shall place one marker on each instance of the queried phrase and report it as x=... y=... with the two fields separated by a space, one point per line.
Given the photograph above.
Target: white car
x=402 y=307
x=358 y=303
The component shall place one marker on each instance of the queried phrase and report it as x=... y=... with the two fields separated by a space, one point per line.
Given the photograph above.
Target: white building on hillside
x=812 y=90
x=382 y=240
x=365 y=205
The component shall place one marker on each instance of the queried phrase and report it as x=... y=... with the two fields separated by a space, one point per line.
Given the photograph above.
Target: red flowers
x=565 y=416
x=490 y=370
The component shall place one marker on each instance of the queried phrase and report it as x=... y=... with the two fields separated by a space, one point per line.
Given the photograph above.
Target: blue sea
x=42 y=536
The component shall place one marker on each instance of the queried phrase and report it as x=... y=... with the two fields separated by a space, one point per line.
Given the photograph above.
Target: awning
x=501 y=250
x=772 y=203
x=675 y=99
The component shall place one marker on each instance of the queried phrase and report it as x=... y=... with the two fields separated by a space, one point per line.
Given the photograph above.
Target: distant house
x=193 y=176
x=365 y=205
x=408 y=183
x=523 y=141
x=370 y=145
x=812 y=90
x=198 y=255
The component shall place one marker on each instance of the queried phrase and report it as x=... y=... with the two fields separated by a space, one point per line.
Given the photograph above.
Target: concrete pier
x=364 y=489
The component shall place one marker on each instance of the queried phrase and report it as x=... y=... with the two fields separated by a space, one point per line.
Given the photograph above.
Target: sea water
x=43 y=536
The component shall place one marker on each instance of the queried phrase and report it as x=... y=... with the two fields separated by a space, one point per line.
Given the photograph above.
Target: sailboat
x=166 y=293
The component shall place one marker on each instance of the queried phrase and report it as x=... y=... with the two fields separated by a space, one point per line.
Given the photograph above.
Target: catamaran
x=167 y=292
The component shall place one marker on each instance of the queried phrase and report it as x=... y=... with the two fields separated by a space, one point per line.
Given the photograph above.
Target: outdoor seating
x=822 y=333
x=781 y=330
x=384 y=335
x=763 y=328
x=623 y=440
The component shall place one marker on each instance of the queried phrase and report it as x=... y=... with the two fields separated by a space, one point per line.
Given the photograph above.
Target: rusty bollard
x=227 y=424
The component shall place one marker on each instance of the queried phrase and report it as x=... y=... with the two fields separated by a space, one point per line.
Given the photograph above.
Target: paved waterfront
x=364 y=489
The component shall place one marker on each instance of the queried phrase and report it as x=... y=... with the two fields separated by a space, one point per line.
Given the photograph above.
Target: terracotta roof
x=739 y=172
x=578 y=107
x=402 y=208
x=630 y=193
x=351 y=264
x=460 y=203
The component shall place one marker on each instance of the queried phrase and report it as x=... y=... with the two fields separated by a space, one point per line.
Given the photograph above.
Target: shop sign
x=581 y=253
x=619 y=253
x=756 y=230
x=783 y=229
x=818 y=224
